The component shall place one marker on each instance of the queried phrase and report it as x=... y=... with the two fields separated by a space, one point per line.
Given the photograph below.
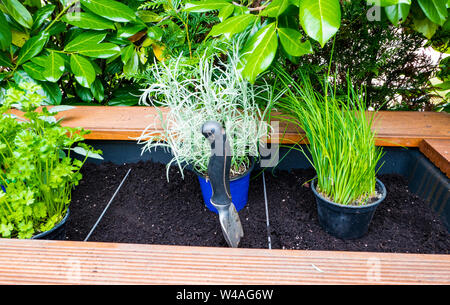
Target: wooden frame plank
x=68 y=262
x=393 y=128
x=438 y=151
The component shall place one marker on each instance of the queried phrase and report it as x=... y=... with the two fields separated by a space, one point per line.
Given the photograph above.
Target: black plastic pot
x=57 y=233
x=343 y=221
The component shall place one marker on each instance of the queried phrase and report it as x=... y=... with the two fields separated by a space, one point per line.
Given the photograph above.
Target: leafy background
x=80 y=51
x=95 y=51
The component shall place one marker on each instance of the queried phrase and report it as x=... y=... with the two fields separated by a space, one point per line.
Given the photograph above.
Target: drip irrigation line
x=107 y=206
x=267 y=211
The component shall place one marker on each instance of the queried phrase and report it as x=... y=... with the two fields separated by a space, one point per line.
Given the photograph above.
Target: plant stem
x=60 y=15
x=186 y=28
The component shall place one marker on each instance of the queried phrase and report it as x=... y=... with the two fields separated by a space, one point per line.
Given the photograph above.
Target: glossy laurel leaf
x=110 y=9
x=291 y=40
x=54 y=67
x=32 y=47
x=259 y=52
x=82 y=69
x=320 y=19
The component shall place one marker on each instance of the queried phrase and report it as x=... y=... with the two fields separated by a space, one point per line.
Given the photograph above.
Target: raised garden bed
x=179 y=217
x=150 y=210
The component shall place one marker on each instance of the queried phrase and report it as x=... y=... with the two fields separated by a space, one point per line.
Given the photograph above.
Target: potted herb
x=210 y=90
x=37 y=172
x=342 y=151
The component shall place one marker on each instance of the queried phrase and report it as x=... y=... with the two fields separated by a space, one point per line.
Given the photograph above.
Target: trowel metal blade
x=230 y=223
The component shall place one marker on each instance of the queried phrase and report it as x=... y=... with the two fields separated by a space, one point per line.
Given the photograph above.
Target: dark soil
x=402 y=223
x=148 y=209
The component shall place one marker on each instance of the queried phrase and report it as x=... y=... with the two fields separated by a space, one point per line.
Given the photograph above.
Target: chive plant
x=341 y=141
x=195 y=93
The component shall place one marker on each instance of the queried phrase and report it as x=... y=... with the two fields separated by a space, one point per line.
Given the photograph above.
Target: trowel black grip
x=219 y=163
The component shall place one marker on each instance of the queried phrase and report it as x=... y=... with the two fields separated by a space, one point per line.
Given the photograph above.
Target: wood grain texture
x=438 y=151
x=399 y=128
x=68 y=262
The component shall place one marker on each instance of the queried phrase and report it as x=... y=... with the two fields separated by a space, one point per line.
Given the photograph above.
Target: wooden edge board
x=438 y=152
x=72 y=262
x=392 y=128
x=400 y=128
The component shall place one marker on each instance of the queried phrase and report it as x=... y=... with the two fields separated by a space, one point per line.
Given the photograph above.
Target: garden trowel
x=219 y=177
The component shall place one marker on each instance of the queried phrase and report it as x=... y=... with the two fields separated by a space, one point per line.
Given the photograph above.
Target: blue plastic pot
x=3 y=188
x=238 y=189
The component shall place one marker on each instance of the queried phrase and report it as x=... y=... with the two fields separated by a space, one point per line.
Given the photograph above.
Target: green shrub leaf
x=32 y=47
x=52 y=92
x=291 y=40
x=259 y=52
x=232 y=25
x=425 y=26
x=149 y=16
x=132 y=65
x=205 y=6
x=384 y=3
x=435 y=10
x=19 y=13
x=82 y=69
x=88 y=21
x=225 y=12
x=275 y=8
x=102 y=50
x=398 y=12
x=98 y=90
x=83 y=93
x=155 y=33
x=34 y=70
x=126 y=53
x=110 y=9
x=54 y=67
x=5 y=33
x=320 y=18
x=4 y=60
x=42 y=14
x=86 y=38
x=129 y=30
